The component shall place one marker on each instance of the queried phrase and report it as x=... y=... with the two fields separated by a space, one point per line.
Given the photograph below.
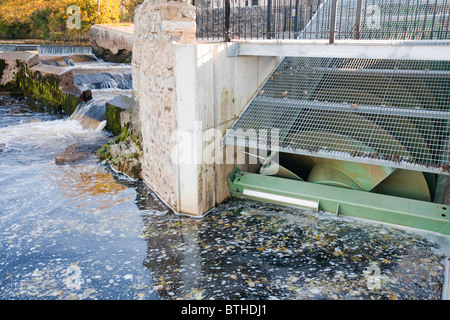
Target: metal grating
x=381 y=19
x=384 y=112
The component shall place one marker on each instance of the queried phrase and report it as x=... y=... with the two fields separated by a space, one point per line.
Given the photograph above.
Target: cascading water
x=49 y=213
x=7 y=47
x=67 y=60
x=48 y=49
x=63 y=50
x=105 y=80
x=117 y=78
x=92 y=114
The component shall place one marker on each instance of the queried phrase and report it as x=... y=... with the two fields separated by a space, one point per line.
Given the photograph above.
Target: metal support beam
x=227 y=21
x=377 y=207
x=333 y=21
x=358 y=18
x=372 y=49
x=269 y=19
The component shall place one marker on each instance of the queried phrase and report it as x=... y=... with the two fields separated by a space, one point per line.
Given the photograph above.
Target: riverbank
x=63 y=78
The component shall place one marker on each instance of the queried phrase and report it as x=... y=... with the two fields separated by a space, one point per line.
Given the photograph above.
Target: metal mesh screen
x=381 y=19
x=385 y=112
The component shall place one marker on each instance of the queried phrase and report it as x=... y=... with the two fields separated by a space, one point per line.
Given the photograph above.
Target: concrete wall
x=9 y=67
x=186 y=95
x=51 y=85
x=212 y=90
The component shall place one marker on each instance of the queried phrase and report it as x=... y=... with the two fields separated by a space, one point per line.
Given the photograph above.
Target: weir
x=81 y=73
x=339 y=126
x=48 y=49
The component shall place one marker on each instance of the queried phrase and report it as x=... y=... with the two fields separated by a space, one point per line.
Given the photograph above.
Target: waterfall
x=104 y=80
x=48 y=49
x=63 y=50
x=7 y=47
x=68 y=60
x=91 y=114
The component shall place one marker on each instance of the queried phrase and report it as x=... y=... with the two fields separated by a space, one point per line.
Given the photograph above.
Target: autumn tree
x=39 y=18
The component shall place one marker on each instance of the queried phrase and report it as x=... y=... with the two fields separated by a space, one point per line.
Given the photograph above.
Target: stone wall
x=51 y=85
x=113 y=43
x=183 y=92
x=9 y=67
x=158 y=24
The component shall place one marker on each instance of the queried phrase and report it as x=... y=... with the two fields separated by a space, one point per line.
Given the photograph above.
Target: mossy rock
x=10 y=86
x=123 y=56
x=104 y=152
x=45 y=89
x=113 y=109
x=126 y=154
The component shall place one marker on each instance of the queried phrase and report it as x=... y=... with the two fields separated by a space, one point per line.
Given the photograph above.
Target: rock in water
x=73 y=154
x=131 y=167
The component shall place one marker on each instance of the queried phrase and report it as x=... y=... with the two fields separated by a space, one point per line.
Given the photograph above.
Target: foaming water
x=49 y=134
x=57 y=221
x=104 y=80
x=68 y=60
x=92 y=114
x=26 y=126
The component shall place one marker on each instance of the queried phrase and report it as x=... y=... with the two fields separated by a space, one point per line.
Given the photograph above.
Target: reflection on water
x=67 y=232
x=89 y=186
x=247 y=250
x=83 y=232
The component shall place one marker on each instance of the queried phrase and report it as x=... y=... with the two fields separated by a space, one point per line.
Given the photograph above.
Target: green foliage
x=129 y=8
x=10 y=86
x=126 y=136
x=104 y=152
x=40 y=28
x=14 y=30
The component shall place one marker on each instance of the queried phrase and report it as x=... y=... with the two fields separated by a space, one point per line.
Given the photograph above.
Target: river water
x=85 y=232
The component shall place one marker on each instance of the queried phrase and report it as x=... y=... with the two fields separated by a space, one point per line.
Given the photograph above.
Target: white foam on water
x=50 y=133
x=104 y=80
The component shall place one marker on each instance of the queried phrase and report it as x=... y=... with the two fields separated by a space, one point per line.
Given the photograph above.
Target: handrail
x=227 y=20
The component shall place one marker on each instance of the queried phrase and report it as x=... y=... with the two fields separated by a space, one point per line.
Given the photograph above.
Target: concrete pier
x=187 y=95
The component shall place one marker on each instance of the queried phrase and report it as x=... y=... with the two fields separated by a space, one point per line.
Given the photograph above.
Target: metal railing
x=226 y=20
x=376 y=111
